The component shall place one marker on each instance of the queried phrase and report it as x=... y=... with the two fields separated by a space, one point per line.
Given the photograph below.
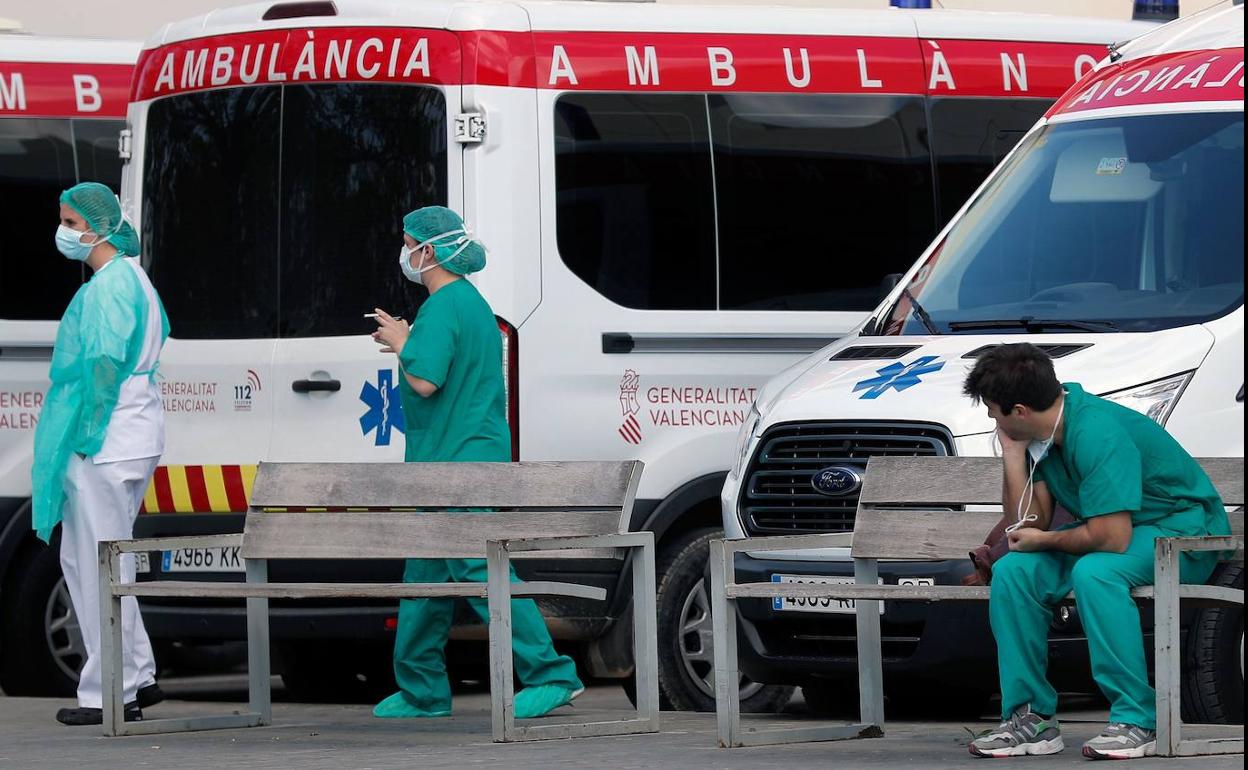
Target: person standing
x=1127 y=482
x=101 y=433
x=454 y=410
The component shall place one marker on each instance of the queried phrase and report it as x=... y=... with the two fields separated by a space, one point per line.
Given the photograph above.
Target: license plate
x=142 y=563
x=829 y=606
x=219 y=559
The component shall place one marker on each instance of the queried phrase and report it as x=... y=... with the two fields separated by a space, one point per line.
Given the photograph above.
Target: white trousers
x=102 y=502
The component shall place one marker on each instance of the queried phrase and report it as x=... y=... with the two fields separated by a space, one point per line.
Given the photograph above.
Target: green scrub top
x=455 y=344
x=1115 y=459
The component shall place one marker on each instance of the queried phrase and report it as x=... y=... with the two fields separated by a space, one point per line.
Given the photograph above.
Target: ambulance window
x=355 y=159
x=969 y=139
x=818 y=197
x=635 y=209
x=36 y=164
x=210 y=211
x=95 y=143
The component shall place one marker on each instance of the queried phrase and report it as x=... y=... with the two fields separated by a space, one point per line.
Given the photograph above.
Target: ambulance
x=1113 y=238
x=62 y=110
x=678 y=202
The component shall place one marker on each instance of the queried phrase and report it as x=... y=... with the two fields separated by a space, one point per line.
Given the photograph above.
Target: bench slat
x=1209 y=594
x=536 y=485
x=977 y=480
x=920 y=535
x=373 y=535
x=186 y=589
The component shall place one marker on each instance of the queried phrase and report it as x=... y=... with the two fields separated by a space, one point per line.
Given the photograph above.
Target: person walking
x=454 y=410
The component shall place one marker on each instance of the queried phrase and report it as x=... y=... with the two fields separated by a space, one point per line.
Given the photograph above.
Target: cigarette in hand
x=375 y=316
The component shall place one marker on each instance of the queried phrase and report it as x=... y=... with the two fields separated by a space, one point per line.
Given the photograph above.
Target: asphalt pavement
x=338 y=736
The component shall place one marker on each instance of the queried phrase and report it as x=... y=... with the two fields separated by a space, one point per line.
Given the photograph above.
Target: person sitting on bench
x=1127 y=482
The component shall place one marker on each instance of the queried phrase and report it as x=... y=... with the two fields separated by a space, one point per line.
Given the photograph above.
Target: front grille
x=1050 y=349
x=778 y=496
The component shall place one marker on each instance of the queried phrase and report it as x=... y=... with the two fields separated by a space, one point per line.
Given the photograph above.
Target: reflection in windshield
x=1131 y=224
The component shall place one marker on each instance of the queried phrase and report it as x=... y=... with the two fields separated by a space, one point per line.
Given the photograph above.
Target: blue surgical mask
x=69 y=243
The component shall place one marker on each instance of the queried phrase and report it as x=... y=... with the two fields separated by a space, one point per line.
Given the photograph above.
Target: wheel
x=1213 y=681
x=316 y=672
x=686 y=653
x=41 y=647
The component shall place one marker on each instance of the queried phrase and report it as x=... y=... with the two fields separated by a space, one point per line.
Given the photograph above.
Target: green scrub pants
x=419 y=647
x=1026 y=587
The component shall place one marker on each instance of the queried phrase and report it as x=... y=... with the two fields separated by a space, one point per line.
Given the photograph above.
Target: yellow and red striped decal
x=199 y=489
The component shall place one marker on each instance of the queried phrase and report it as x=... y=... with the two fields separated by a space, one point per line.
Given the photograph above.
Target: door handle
x=316 y=386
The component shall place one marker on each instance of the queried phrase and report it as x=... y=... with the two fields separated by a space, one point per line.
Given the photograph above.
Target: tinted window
x=276 y=211
x=355 y=159
x=818 y=198
x=95 y=145
x=36 y=164
x=210 y=211
x=635 y=214
x=969 y=139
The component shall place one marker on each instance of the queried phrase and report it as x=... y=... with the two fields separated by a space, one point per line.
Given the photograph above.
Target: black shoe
x=88 y=716
x=149 y=696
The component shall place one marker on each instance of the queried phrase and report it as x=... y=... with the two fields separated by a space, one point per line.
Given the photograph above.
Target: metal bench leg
x=870 y=662
x=502 y=687
x=645 y=635
x=112 y=671
x=724 y=624
x=258 y=671
x=1166 y=648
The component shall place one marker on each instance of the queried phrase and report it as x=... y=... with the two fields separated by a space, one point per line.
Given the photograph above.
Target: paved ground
x=346 y=736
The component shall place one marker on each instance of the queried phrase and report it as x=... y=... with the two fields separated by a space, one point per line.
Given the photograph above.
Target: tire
x=317 y=672
x=1213 y=665
x=686 y=662
x=41 y=648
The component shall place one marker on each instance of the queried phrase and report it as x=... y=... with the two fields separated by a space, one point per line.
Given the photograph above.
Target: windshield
x=275 y=211
x=1118 y=224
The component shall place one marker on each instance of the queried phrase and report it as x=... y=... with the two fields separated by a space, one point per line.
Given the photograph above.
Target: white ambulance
x=62 y=108
x=637 y=172
x=1113 y=238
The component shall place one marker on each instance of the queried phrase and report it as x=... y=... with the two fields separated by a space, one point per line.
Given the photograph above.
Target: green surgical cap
x=99 y=207
x=453 y=245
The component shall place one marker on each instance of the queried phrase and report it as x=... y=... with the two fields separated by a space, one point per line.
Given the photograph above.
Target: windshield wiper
x=1030 y=324
x=918 y=310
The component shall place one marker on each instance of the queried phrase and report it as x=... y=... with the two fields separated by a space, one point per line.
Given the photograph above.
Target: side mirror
x=889 y=283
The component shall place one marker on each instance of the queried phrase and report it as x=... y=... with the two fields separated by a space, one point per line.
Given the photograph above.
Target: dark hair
x=1014 y=374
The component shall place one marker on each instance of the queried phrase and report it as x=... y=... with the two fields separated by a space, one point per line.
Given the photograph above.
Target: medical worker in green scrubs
x=1127 y=482
x=454 y=410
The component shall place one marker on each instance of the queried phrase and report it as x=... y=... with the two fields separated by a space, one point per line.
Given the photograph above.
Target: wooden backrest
x=898 y=510
x=417 y=510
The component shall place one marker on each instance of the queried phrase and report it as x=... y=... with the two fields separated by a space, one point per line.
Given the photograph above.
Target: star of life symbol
x=898 y=376
x=630 y=429
x=385 y=409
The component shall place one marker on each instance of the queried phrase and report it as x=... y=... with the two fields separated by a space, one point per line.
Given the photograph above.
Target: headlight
x=1154 y=399
x=744 y=439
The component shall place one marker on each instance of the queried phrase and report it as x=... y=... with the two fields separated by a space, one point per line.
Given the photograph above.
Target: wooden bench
x=412 y=510
x=907 y=512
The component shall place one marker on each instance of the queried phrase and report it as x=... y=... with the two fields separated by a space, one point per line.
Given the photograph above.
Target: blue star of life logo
x=898 y=376
x=385 y=408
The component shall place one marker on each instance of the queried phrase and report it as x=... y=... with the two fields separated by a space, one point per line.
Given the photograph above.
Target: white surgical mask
x=413 y=274
x=69 y=243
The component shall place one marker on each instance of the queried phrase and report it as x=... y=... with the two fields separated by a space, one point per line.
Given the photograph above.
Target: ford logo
x=837 y=480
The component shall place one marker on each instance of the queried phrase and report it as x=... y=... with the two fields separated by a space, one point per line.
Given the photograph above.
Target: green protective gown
x=98 y=346
x=1112 y=459
x=455 y=345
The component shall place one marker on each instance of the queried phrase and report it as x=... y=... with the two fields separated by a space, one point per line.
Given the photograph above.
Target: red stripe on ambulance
x=47 y=90
x=616 y=61
x=1177 y=78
